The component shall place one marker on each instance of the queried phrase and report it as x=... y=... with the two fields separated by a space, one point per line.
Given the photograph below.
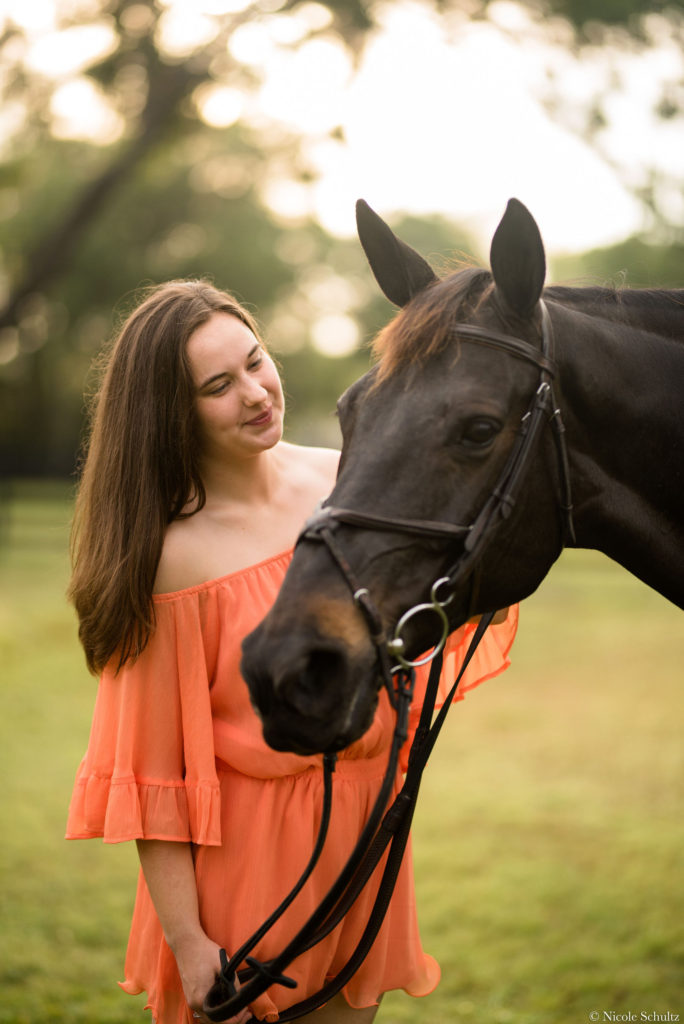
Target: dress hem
x=133 y=988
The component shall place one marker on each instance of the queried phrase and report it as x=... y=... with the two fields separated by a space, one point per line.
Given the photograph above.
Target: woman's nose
x=253 y=391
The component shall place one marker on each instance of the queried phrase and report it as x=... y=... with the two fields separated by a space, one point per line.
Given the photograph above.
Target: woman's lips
x=261 y=420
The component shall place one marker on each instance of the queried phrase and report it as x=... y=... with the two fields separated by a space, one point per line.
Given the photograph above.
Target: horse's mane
x=423 y=328
x=657 y=311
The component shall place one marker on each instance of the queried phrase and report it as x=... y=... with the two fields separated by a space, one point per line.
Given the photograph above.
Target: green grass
x=549 y=834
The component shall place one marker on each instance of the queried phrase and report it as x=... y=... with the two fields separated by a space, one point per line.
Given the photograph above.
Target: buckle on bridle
x=397 y=645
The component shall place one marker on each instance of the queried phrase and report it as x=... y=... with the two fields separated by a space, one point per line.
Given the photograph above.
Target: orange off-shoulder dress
x=176 y=753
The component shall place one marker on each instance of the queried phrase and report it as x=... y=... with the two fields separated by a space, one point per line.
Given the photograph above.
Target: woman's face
x=239 y=397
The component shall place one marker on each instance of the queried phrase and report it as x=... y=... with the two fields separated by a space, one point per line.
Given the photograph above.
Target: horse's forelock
x=424 y=327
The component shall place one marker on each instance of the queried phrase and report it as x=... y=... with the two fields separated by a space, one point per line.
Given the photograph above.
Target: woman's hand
x=198 y=964
x=169 y=871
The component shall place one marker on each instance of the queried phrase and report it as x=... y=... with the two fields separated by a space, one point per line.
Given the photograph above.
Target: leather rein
x=391 y=830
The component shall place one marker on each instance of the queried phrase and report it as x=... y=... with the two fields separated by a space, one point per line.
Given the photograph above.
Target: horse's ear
x=517 y=259
x=399 y=270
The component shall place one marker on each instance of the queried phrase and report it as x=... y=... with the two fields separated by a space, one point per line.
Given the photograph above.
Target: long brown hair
x=140 y=469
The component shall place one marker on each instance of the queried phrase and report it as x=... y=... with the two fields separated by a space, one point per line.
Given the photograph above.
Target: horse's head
x=427 y=434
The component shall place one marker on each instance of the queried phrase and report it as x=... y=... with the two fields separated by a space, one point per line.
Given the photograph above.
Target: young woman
x=188 y=509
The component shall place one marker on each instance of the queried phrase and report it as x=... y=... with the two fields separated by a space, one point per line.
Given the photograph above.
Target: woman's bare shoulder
x=185 y=559
x=320 y=464
x=204 y=547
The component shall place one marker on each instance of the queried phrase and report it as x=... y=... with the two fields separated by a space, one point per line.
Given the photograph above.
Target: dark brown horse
x=432 y=436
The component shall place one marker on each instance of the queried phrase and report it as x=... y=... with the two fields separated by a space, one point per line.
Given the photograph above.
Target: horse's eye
x=480 y=432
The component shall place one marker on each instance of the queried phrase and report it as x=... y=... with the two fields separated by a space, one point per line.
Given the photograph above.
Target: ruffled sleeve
x=149 y=771
x=489 y=659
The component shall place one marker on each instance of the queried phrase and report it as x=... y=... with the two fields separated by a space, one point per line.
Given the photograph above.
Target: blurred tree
x=166 y=196
x=583 y=13
x=162 y=193
x=154 y=92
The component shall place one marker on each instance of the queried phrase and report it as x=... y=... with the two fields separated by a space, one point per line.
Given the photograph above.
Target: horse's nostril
x=314 y=688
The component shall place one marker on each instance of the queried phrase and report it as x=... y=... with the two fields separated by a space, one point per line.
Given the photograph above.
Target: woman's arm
x=170 y=876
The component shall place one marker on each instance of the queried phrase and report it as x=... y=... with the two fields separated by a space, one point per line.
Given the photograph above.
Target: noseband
x=477 y=535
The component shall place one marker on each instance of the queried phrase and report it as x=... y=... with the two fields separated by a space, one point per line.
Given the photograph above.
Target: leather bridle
x=392 y=830
x=497 y=508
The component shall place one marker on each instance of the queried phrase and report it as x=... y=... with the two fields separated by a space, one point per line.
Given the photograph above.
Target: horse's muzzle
x=306 y=691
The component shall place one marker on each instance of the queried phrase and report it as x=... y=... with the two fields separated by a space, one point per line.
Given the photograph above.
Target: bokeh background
x=149 y=139
x=145 y=140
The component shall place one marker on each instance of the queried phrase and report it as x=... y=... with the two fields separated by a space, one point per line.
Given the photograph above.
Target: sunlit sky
x=443 y=114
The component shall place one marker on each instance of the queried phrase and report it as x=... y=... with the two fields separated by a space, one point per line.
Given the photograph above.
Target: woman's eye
x=218 y=389
x=480 y=432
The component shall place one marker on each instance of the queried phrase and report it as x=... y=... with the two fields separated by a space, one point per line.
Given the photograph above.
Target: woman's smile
x=262 y=420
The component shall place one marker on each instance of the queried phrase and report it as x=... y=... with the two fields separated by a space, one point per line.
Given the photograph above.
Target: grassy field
x=549 y=834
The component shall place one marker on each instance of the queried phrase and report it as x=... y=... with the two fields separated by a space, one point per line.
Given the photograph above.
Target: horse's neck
x=658 y=311
x=623 y=400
